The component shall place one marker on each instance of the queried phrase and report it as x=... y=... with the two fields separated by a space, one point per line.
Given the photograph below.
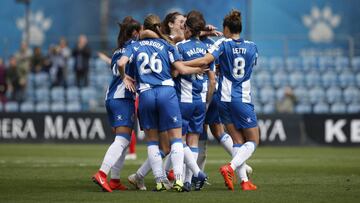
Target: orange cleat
x=170 y=175
x=248 y=185
x=228 y=174
x=100 y=179
x=115 y=184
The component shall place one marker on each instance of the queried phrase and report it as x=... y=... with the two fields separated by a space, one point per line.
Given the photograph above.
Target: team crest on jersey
x=249 y=120
x=119 y=117
x=175 y=119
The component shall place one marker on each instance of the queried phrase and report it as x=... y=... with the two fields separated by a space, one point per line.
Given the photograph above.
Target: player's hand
x=210 y=28
x=129 y=83
x=203 y=69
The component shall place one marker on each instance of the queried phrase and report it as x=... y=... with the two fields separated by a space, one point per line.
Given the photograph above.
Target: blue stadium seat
x=346 y=79
x=88 y=97
x=326 y=63
x=58 y=107
x=296 y=79
x=263 y=79
x=263 y=63
x=316 y=95
x=30 y=94
x=353 y=108
x=356 y=63
x=257 y=107
x=42 y=107
x=358 y=79
x=58 y=94
x=309 y=63
x=351 y=94
x=329 y=78
x=268 y=108
x=70 y=80
x=338 y=108
x=72 y=94
x=276 y=63
x=279 y=94
x=42 y=94
x=313 y=79
x=30 y=80
x=254 y=94
x=341 y=62
x=321 y=108
x=302 y=94
x=11 y=106
x=27 y=107
x=280 y=79
x=303 y=108
x=101 y=66
x=293 y=63
x=267 y=95
x=333 y=94
x=103 y=81
x=73 y=107
x=42 y=80
x=70 y=65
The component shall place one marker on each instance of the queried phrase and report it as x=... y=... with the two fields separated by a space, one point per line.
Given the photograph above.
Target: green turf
x=61 y=173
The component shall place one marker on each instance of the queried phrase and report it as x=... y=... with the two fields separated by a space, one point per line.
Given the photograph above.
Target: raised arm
x=187 y=70
x=200 y=62
x=104 y=58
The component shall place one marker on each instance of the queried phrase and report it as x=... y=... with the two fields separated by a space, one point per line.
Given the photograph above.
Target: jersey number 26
x=154 y=63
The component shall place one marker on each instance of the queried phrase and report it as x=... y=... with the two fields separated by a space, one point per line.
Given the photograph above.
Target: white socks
x=177 y=157
x=189 y=174
x=201 y=160
x=144 y=169
x=227 y=142
x=190 y=161
x=241 y=171
x=155 y=160
x=115 y=170
x=114 y=152
x=243 y=154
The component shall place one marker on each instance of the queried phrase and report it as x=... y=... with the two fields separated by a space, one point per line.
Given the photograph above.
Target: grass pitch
x=61 y=173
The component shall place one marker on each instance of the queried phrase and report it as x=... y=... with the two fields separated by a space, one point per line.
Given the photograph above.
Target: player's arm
x=211 y=86
x=200 y=62
x=187 y=70
x=104 y=58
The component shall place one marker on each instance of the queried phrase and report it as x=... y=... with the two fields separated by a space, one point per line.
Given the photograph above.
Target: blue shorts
x=193 y=116
x=242 y=115
x=212 y=114
x=121 y=112
x=159 y=109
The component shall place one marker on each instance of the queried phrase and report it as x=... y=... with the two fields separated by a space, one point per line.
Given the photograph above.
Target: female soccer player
x=194 y=92
x=158 y=104
x=237 y=58
x=120 y=109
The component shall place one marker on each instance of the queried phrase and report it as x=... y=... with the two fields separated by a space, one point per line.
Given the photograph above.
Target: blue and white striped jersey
x=195 y=86
x=236 y=59
x=152 y=59
x=116 y=89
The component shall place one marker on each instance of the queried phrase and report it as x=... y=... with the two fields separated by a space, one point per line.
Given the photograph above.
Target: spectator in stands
x=58 y=66
x=82 y=54
x=64 y=49
x=2 y=81
x=37 y=60
x=14 y=81
x=287 y=103
x=23 y=60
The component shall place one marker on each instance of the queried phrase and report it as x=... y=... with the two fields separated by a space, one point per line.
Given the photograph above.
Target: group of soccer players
x=171 y=65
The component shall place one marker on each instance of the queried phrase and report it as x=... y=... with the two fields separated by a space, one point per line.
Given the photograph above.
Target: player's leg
x=201 y=161
x=123 y=128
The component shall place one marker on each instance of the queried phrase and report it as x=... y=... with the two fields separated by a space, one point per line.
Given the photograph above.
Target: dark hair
x=169 y=18
x=127 y=27
x=233 y=21
x=152 y=22
x=195 y=22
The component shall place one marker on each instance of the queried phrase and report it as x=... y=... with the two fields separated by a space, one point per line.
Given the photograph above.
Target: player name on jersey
x=151 y=43
x=195 y=51
x=239 y=51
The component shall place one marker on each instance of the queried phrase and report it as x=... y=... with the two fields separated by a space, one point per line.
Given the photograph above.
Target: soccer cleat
x=187 y=187
x=100 y=179
x=200 y=180
x=178 y=186
x=131 y=156
x=168 y=185
x=138 y=183
x=228 y=174
x=248 y=185
x=160 y=187
x=115 y=184
x=170 y=175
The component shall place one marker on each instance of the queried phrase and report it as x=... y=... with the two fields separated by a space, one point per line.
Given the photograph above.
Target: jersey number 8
x=155 y=64
x=239 y=67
